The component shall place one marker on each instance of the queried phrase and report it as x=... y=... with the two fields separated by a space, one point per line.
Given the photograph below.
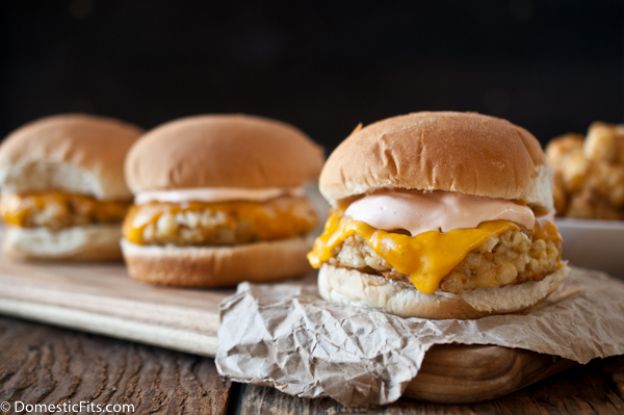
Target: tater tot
x=601 y=144
x=619 y=138
x=587 y=205
x=574 y=170
x=608 y=180
x=589 y=174
x=559 y=194
x=564 y=145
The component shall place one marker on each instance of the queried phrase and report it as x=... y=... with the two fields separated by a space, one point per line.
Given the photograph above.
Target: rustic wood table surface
x=43 y=364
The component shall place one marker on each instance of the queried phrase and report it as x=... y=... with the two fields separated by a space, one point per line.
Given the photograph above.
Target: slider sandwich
x=439 y=215
x=219 y=200
x=64 y=194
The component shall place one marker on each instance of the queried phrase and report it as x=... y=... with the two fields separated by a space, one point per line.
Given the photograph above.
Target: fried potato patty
x=58 y=210
x=512 y=257
x=223 y=223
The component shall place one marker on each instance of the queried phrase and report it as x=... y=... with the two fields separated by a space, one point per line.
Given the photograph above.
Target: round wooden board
x=473 y=373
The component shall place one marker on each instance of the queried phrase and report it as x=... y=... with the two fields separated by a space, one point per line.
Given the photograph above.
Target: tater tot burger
x=219 y=200
x=439 y=215
x=64 y=194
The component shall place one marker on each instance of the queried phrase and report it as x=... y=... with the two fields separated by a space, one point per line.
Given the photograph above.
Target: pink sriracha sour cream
x=445 y=211
x=215 y=194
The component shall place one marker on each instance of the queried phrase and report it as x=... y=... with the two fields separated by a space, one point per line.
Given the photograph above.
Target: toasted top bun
x=452 y=151
x=222 y=151
x=73 y=153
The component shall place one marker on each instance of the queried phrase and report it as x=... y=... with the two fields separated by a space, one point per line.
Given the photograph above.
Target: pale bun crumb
x=223 y=266
x=347 y=286
x=78 y=243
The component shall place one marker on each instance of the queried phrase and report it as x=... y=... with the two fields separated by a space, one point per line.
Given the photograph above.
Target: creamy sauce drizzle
x=215 y=194
x=444 y=211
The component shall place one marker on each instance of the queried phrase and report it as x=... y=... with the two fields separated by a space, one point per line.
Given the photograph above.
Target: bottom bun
x=347 y=286
x=78 y=243
x=216 y=266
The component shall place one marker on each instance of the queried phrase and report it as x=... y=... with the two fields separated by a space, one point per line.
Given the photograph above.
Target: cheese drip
x=426 y=258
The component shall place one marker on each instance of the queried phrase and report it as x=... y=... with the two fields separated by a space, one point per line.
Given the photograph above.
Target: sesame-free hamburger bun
x=234 y=151
x=57 y=175
x=458 y=152
x=461 y=166
x=75 y=153
x=224 y=201
x=76 y=243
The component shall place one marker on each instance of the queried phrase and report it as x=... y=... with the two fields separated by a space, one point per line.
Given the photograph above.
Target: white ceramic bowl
x=595 y=244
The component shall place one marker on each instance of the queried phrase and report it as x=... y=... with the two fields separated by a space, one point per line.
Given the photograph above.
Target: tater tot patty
x=58 y=210
x=512 y=257
x=223 y=223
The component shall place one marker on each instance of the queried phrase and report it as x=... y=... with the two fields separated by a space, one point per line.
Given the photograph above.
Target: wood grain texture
x=580 y=390
x=464 y=374
x=47 y=364
x=102 y=299
x=41 y=364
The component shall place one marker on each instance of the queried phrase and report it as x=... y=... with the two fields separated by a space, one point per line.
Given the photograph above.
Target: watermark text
x=67 y=407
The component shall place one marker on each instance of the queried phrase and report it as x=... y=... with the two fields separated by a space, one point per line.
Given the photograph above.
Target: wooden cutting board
x=102 y=299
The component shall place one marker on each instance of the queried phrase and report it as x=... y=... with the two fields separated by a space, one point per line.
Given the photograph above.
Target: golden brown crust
x=217 y=267
x=589 y=173
x=460 y=152
x=512 y=257
x=561 y=146
x=222 y=151
x=72 y=152
x=78 y=243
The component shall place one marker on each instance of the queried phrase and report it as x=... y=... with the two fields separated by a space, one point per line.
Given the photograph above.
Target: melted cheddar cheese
x=56 y=209
x=426 y=258
x=199 y=223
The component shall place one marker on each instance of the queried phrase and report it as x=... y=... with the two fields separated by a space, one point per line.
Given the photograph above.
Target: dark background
x=551 y=66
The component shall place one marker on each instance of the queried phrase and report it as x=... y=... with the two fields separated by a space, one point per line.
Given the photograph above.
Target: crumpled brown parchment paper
x=286 y=336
